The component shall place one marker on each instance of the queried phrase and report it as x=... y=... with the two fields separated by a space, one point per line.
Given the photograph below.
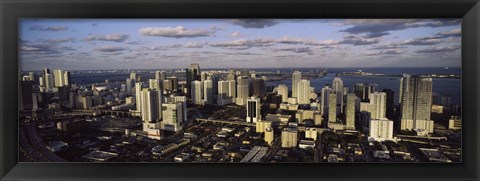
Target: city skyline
x=88 y=44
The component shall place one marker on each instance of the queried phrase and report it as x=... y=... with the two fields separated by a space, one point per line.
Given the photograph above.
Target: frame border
x=11 y=11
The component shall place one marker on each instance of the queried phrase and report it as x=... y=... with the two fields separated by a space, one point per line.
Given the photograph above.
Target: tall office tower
x=151 y=101
x=337 y=87
x=191 y=75
x=296 y=76
x=154 y=84
x=203 y=76
x=268 y=137
x=253 y=110
x=324 y=96
x=364 y=118
x=160 y=75
x=172 y=116
x=174 y=82
x=303 y=91
x=371 y=89
x=259 y=88
x=332 y=107
x=416 y=103
x=45 y=71
x=360 y=91
x=283 y=91
x=26 y=95
x=231 y=75
x=232 y=90
x=138 y=95
x=197 y=92
x=289 y=137
x=381 y=129
x=223 y=90
x=215 y=78
x=58 y=75
x=66 y=78
x=389 y=104
x=129 y=83
x=350 y=111
x=242 y=90
x=167 y=85
x=196 y=67
x=378 y=100
x=49 y=82
x=208 y=91
x=133 y=76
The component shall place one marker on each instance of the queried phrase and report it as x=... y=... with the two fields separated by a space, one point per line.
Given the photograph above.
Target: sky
x=98 y=44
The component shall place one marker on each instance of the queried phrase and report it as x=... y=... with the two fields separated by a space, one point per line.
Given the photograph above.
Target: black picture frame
x=11 y=11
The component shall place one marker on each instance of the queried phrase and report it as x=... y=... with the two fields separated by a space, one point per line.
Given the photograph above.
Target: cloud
x=235 y=34
x=439 y=49
x=450 y=33
x=290 y=40
x=58 y=40
x=372 y=28
x=358 y=41
x=321 y=42
x=295 y=49
x=194 y=45
x=242 y=44
x=423 y=41
x=254 y=23
x=386 y=52
x=45 y=48
x=388 y=46
x=110 y=49
x=48 y=28
x=176 y=32
x=111 y=37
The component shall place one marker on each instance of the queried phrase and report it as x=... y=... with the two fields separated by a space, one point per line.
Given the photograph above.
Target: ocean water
x=446 y=87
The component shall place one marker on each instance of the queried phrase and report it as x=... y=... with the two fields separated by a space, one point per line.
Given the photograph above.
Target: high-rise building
x=242 y=90
x=324 y=96
x=174 y=82
x=167 y=85
x=133 y=76
x=390 y=104
x=49 y=82
x=138 y=95
x=160 y=75
x=172 y=114
x=361 y=91
x=129 y=84
x=337 y=88
x=59 y=80
x=154 y=84
x=381 y=129
x=350 y=111
x=296 y=76
x=66 y=78
x=416 y=103
x=197 y=92
x=151 y=100
x=371 y=89
x=208 y=91
x=260 y=126
x=192 y=74
x=259 y=88
x=196 y=67
x=223 y=96
x=253 y=110
x=232 y=89
x=289 y=137
x=303 y=92
x=332 y=107
x=282 y=90
x=311 y=133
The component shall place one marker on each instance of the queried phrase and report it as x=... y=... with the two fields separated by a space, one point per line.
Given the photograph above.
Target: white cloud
x=175 y=32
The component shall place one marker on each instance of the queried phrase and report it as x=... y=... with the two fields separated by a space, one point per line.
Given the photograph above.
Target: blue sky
x=92 y=44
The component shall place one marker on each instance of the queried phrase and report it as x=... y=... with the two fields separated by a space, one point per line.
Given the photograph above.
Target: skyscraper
x=151 y=101
x=223 y=89
x=196 y=90
x=259 y=88
x=208 y=91
x=133 y=76
x=283 y=91
x=232 y=89
x=242 y=90
x=253 y=110
x=174 y=82
x=172 y=116
x=303 y=91
x=196 y=67
x=192 y=74
x=59 y=79
x=381 y=129
x=296 y=76
x=160 y=75
x=332 y=107
x=129 y=83
x=138 y=95
x=360 y=91
x=289 y=137
x=337 y=88
x=350 y=111
x=154 y=84
x=324 y=96
x=389 y=104
x=416 y=103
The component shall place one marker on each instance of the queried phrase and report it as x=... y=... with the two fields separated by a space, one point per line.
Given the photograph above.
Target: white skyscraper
x=282 y=90
x=350 y=111
x=242 y=90
x=253 y=110
x=232 y=89
x=133 y=76
x=332 y=107
x=303 y=91
x=296 y=76
x=208 y=91
x=337 y=87
x=172 y=116
x=58 y=75
x=223 y=89
x=160 y=75
x=381 y=129
x=138 y=95
x=151 y=101
x=416 y=103
x=154 y=84
x=197 y=92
